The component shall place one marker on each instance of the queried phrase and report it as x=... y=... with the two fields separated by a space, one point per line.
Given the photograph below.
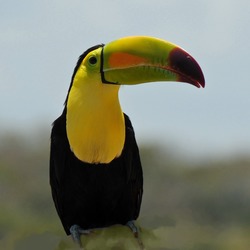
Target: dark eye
x=92 y=60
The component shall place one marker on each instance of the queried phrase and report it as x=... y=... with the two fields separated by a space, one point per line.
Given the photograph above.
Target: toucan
x=96 y=175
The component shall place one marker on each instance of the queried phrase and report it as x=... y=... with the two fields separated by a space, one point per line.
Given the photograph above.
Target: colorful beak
x=140 y=59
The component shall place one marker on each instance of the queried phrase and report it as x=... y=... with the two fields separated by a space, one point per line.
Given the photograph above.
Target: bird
x=96 y=175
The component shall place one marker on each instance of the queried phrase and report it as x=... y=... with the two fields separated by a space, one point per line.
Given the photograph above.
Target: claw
x=76 y=232
x=135 y=231
x=133 y=227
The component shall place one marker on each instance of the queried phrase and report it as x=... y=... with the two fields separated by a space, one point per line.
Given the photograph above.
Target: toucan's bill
x=138 y=59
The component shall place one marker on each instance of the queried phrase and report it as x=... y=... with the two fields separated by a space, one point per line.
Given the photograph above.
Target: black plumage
x=94 y=195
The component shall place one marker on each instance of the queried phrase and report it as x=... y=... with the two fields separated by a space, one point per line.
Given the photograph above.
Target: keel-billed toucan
x=95 y=169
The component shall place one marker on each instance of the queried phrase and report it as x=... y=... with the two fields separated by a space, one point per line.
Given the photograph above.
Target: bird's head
x=138 y=59
x=92 y=102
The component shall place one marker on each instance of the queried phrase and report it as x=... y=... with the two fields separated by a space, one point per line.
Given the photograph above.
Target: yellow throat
x=94 y=120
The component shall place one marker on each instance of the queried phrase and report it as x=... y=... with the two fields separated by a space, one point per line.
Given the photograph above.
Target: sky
x=40 y=42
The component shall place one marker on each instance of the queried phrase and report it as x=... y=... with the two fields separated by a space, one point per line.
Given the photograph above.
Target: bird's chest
x=95 y=124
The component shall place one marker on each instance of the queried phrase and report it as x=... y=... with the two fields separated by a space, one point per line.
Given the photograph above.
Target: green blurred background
x=189 y=205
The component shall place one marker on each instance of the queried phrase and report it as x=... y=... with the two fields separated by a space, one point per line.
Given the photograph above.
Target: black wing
x=58 y=154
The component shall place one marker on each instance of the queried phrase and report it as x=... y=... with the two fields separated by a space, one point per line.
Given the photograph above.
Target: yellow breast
x=94 y=121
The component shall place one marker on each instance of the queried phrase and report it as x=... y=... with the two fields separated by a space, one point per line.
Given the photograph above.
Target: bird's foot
x=76 y=232
x=136 y=233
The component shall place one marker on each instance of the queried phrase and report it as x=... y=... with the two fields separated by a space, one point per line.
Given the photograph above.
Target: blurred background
x=194 y=143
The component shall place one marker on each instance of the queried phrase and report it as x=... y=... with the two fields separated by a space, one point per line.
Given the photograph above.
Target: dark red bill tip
x=186 y=67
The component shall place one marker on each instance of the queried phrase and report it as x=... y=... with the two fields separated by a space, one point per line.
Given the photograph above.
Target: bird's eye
x=92 y=60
